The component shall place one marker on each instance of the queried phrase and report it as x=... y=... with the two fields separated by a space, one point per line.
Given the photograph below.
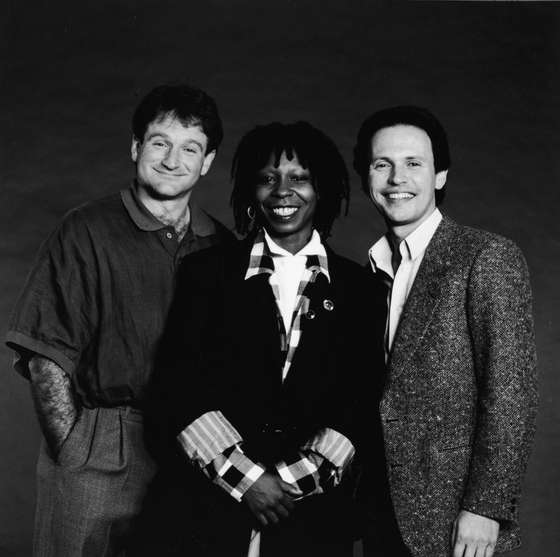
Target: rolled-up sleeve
x=56 y=312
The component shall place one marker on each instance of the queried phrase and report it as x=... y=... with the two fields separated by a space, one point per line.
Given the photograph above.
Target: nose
x=398 y=175
x=171 y=159
x=283 y=188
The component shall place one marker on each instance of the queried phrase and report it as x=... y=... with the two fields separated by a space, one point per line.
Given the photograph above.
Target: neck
x=394 y=242
x=171 y=212
x=394 y=239
x=292 y=243
x=397 y=233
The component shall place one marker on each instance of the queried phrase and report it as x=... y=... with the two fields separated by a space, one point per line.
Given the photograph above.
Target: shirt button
x=169 y=235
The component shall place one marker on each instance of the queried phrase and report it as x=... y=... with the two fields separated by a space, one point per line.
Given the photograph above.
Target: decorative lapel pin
x=310 y=314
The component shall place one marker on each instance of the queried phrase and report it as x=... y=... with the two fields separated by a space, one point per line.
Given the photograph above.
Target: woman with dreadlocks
x=266 y=353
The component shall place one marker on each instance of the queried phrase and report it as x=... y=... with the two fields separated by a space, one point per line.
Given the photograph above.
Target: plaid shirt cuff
x=304 y=472
x=207 y=437
x=334 y=447
x=234 y=472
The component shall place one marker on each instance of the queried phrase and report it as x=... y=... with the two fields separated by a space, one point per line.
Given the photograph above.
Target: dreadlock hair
x=314 y=150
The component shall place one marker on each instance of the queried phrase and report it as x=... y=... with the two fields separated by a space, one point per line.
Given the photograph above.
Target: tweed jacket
x=459 y=403
x=222 y=352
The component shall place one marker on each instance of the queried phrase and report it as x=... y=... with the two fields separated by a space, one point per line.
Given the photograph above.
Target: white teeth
x=284 y=211
x=400 y=196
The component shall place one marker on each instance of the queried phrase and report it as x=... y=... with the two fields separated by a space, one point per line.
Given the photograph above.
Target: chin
x=165 y=192
x=403 y=215
x=285 y=230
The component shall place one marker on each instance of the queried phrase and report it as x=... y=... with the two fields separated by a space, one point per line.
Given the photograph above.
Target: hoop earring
x=251 y=212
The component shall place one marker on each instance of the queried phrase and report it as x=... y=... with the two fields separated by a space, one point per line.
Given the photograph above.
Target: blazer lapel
x=424 y=296
x=255 y=307
x=263 y=326
x=315 y=336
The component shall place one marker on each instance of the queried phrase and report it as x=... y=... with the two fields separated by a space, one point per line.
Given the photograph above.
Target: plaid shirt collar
x=261 y=258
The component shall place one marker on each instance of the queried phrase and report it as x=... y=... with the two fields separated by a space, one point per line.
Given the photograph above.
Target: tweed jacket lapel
x=424 y=296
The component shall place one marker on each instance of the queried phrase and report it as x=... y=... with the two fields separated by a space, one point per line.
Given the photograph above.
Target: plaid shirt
x=216 y=446
x=261 y=261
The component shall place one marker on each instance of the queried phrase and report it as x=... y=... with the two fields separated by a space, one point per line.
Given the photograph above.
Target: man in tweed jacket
x=459 y=403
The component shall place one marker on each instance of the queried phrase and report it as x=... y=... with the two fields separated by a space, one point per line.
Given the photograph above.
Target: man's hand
x=474 y=535
x=270 y=498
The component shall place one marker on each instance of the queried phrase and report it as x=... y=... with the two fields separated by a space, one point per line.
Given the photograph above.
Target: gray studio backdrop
x=70 y=77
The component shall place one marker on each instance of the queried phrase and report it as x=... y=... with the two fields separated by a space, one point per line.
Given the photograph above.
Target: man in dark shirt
x=86 y=327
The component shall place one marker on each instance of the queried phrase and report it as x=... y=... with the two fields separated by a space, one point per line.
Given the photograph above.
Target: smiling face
x=402 y=177
x=170 y=159
x=286 y=200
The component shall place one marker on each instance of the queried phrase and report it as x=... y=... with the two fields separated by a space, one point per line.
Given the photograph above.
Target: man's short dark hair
x=408 y=115
x=315 y=151
x=190 y=105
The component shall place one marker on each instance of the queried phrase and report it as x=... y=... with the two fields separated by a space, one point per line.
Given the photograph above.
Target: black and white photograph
x=280 y=278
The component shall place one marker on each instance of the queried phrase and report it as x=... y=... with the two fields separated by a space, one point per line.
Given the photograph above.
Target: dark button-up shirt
x=97 y=297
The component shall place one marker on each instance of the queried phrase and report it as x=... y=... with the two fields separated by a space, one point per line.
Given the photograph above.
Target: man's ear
x=441 y=178
x=208 y=159
x=134 y=148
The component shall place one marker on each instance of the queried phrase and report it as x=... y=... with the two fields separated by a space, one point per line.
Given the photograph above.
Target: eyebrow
x=156 y=134
x=408 y=157
x=196 y=143
x=165 y=136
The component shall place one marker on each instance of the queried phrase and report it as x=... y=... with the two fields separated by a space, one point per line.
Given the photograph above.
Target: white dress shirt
x=412 y=250
x=289 y=269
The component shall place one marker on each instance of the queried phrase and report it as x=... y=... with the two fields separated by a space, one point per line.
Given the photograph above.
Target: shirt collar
x=417 y=241
x=200 y=223
x=414 y=245
x=265 y=249
x=380 y=256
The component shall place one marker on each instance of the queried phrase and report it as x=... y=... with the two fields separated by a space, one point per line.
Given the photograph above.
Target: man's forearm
x=54 y=400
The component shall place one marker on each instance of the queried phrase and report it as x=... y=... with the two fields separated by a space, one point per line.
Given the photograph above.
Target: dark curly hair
x=410 y=116
x=315 y=151
x=190 y=105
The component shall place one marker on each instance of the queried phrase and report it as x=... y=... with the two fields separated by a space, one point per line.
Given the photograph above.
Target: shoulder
x=344 y=267
x=97 y=208
x=488 y=258
x=353 y=279
x=209 y=263
x=478 y=243
x=78 y=225
x=484 y=239
x=94 y=213
x=223 y=233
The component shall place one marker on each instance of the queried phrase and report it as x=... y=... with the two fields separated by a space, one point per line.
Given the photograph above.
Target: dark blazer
x=222 y=352
x=458 y=409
